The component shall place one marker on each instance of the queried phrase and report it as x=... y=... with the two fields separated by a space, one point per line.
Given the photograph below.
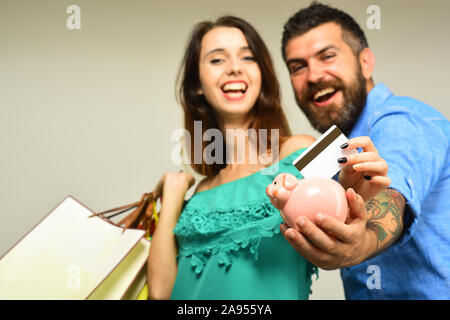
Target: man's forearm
x=385 y=218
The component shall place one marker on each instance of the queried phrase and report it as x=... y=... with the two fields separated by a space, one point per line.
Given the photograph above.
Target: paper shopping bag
x=71 y=255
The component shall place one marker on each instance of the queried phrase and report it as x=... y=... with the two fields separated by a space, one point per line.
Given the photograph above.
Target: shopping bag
x=73 y=253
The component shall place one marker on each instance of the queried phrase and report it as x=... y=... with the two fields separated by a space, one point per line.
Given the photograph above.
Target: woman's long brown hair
x=265 y=114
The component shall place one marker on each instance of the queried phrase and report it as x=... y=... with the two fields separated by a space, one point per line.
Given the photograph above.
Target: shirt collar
x=377 y=96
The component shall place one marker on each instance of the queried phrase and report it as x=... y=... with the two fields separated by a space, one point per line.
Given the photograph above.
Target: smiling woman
x=228 y=53
x=230 y=77
x=225 y=242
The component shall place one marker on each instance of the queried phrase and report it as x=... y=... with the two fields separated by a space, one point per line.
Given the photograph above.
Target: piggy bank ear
x=279 y=179
x=290 y=182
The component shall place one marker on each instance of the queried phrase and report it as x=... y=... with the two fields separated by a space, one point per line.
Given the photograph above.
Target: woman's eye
x=216 y=61
x=249 y=58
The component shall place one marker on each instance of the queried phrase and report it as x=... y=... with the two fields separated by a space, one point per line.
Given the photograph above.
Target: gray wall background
x=90 y=112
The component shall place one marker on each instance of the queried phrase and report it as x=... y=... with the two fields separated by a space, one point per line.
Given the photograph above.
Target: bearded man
x=403 y=233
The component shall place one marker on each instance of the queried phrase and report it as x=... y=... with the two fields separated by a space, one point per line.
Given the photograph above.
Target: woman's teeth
x=234 y=87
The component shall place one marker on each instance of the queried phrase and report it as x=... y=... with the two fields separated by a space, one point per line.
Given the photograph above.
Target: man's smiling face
x=327 y=78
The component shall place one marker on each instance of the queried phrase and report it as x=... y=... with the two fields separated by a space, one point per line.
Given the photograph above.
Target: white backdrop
x=90 y=111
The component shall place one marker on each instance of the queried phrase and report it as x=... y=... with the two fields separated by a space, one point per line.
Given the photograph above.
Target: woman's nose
x=235 y=66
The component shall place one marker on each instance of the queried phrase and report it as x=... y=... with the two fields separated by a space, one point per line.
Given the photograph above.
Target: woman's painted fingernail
x=345 y=145
x=342 y=160
x=367 y=177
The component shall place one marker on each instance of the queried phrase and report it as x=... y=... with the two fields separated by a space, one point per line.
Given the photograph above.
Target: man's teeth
x=323 y=92
x=235 y=86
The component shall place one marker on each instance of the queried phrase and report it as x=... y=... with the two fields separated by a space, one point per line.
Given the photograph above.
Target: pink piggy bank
x=307 y=197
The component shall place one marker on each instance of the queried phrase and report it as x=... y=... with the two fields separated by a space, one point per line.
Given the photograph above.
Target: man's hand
x=329 y=243
x=369 y=229
x=365 y=172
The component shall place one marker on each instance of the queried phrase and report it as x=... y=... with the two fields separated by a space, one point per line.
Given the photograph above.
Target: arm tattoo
x=385 y=217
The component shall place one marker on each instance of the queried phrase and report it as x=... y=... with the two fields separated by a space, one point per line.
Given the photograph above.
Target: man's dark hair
x=317 y=14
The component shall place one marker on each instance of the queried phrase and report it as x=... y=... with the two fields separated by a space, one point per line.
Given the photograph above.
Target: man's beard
x=344 y=116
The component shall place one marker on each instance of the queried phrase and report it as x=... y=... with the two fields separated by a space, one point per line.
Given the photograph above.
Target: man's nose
x=315 y=72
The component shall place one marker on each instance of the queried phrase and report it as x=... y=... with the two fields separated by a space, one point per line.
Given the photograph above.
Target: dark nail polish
x=367 y=177
x=345 y=145
x=342 y=160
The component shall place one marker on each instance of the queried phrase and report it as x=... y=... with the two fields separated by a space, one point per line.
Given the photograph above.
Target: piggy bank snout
x=269 y=190
x=279 y=191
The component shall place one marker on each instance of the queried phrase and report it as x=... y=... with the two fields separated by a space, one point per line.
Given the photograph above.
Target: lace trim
x=201 y=234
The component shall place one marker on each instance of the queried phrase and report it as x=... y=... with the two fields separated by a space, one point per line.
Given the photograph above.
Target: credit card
x=320 y=159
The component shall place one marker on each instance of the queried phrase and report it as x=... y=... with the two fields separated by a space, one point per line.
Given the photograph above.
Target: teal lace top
x=230 y=245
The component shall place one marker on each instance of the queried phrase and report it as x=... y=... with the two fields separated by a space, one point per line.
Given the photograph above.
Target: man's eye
x=297 y=68
x=329 y=56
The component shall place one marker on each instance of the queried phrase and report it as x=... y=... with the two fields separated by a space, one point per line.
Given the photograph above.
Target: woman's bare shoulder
x=203 y=185
x=294 y=143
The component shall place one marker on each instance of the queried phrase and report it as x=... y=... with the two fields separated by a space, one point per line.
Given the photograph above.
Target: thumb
x=356 y=205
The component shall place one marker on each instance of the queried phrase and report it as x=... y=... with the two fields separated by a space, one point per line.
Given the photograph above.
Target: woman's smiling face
x=230 y=77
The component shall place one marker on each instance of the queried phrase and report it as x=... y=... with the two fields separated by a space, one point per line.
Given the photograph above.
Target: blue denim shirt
x=414 y=140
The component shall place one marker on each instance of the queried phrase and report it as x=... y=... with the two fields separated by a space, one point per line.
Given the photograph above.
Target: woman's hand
x=365 y=172
x=173 y=184
x=162 y=265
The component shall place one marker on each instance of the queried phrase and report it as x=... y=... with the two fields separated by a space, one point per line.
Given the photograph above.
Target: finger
x=368 y=156
x=378 y=167
x=348 y=169
x=359 y=161
x=189 y=178
x=284 y=227
x=315 y=235
x=378 y=180
x=361 y=142
x=357 y=207
x=302 y=245
x=159 y=186
x=337 y=228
